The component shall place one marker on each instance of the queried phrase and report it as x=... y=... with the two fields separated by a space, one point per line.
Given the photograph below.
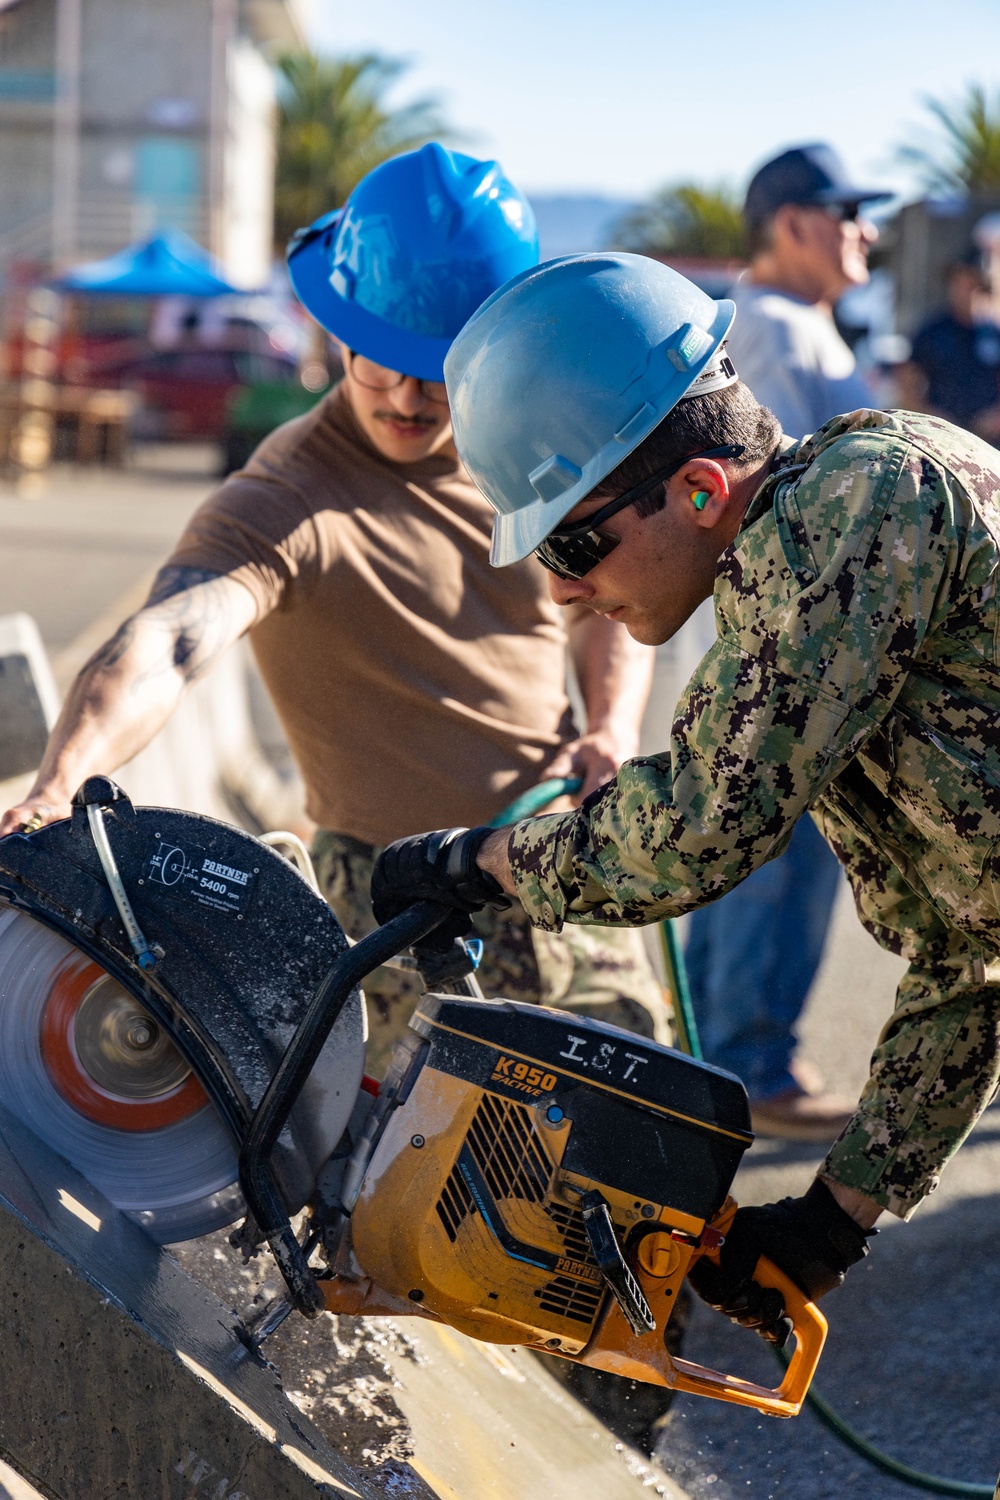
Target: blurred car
x=256 y=410
x=186 y=393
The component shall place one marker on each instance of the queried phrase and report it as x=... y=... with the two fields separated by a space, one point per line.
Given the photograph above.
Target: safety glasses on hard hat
x=377 y=378
x=571 y=551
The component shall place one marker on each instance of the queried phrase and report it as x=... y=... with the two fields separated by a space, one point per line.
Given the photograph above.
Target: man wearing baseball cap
x=809 y=244
x=752 y=957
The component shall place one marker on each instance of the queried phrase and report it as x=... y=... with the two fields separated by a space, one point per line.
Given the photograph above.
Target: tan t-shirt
x=418 y=687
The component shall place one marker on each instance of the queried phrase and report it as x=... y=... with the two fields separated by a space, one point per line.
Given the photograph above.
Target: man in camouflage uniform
x=855 y=677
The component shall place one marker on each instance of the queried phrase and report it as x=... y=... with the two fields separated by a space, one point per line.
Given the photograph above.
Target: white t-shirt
x=793 y=359
x=795 y=362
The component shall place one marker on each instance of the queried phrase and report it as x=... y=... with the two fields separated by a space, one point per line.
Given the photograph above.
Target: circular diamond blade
x=177 y=1181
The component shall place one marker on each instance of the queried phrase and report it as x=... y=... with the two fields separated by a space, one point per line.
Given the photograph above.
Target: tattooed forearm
x=170 y=582
x=198 y=615
x=188 y=621
x=130 y=687
x=111 y=653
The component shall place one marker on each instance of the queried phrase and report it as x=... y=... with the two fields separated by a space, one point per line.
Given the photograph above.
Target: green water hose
x=688 y=1040
x=879 y=1460
x=535 y=798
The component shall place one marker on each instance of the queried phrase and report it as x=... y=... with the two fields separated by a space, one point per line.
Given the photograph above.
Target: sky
x=618 y=98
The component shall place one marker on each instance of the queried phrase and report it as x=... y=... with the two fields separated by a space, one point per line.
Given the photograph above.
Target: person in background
x=752 y=957
x=413 y=685
x=954 y=367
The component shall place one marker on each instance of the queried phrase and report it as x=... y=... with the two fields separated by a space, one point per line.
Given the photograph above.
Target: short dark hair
x=732 y=415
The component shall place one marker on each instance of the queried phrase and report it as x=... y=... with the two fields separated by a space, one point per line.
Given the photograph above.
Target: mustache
x=417 y=421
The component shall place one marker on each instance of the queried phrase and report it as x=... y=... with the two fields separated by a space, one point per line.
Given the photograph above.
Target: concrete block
x=29 y=701
x=122 y=1377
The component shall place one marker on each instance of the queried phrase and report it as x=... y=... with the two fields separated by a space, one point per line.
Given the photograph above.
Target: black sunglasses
x=844 y=213
x=571 y=551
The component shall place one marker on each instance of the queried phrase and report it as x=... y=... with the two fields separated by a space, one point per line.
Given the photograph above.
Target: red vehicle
x=186 y=393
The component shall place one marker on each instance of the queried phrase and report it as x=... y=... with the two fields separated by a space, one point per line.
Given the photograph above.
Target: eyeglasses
x=571 y=551
x=377 y=378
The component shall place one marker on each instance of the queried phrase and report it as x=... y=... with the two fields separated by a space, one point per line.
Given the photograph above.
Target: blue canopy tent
x=169 y=265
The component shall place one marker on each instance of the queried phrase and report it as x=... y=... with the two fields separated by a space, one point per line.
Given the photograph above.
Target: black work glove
x=811 y=1239
x=439 y=866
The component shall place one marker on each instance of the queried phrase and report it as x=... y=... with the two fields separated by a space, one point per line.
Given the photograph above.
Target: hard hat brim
x=365 y=332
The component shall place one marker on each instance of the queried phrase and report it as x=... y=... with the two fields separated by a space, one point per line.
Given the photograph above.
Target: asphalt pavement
x=913 y=1356
x=76 y=541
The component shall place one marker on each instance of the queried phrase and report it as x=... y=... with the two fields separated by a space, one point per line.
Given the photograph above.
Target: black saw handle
x=257 y=1179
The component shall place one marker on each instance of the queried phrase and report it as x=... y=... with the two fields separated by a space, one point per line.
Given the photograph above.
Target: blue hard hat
x=564 y=371
x=420 y=243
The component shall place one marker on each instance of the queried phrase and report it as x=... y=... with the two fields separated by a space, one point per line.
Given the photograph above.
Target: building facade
x=122 y=117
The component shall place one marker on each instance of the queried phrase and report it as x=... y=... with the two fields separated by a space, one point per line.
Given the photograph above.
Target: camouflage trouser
x=601 y=972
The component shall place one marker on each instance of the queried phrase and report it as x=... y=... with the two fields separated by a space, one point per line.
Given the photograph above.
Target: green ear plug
x=698 y=499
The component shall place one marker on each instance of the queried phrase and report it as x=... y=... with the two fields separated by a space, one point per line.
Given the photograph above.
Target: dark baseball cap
x=810 y=175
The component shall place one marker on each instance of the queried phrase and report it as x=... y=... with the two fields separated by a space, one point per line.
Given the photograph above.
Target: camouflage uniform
x=598 y=972
x=856 y=674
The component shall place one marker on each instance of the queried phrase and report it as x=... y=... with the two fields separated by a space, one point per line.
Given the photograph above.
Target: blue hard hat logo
x=423 y=240
x=342 y=279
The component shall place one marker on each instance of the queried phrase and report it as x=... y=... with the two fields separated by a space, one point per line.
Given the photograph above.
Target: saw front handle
x=809 y=1328
x=619 y=1348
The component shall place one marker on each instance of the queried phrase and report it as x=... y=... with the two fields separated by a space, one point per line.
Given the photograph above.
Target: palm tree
x=687 y=219
x=967 y=158
x=334 y=126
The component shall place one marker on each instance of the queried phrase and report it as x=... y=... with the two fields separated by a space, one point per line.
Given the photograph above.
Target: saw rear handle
x=809 y=1327
x=622 y=1346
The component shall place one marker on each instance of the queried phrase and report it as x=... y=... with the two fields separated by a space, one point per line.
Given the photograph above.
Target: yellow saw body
x=502 y=1132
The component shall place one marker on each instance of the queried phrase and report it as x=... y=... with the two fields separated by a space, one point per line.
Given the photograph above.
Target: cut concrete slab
x=122 y=1375
x=488 y=1420
x=404 y=1395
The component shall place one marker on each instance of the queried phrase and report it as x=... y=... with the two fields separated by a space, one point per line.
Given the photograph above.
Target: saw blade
x=178 y=1179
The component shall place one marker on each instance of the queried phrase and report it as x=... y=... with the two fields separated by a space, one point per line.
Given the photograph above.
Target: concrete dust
x=333 y=1369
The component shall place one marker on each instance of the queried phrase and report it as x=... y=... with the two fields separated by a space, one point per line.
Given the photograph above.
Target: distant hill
x=572 y=223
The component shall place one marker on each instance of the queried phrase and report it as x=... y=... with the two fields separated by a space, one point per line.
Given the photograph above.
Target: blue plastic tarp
x=169 y=265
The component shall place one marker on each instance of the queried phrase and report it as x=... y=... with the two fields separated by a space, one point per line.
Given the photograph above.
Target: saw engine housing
x=512 y=1116
x=532 y=1177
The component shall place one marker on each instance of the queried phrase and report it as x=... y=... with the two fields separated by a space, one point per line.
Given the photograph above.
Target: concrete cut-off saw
x=180 y=1019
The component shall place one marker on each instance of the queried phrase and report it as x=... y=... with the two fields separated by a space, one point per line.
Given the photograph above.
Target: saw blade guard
x=145 y=1079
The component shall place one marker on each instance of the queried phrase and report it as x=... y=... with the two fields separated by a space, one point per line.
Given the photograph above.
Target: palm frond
x=964 y=155
x=335 y=125
x=687 y=218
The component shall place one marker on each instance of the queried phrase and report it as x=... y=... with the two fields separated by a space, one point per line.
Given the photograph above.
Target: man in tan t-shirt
x=414 y=689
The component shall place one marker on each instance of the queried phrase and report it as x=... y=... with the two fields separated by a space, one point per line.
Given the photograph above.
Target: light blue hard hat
x=420 y=243
x=564 y=371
